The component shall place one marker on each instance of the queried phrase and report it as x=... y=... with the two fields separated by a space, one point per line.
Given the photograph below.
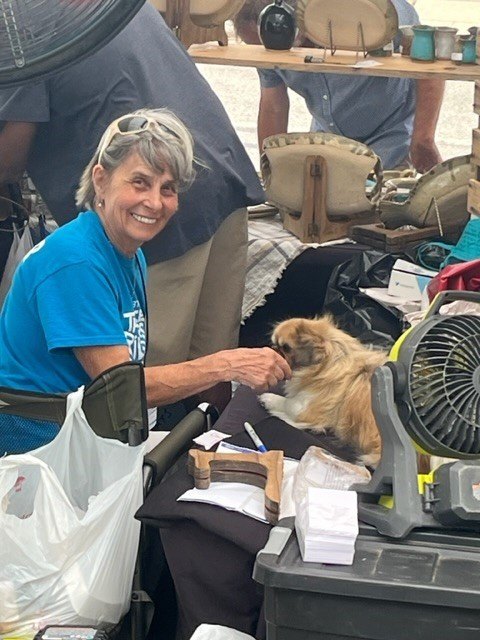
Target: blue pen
x=255 y=439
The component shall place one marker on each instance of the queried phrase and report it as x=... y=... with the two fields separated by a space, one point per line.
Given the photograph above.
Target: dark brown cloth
x=211 y=551
x=300 y=292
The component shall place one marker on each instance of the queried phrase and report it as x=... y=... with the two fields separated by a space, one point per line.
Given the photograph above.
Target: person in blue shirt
x=77 y=302
x=396 y=117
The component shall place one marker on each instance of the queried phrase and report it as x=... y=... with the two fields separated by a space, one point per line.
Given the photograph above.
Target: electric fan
x=39 y=37
x=428 y=397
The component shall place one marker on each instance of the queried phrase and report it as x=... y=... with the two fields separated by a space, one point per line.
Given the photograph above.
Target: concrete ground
x=238 y=88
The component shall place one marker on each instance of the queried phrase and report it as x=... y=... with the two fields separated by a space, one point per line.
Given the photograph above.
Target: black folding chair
x=115 y=407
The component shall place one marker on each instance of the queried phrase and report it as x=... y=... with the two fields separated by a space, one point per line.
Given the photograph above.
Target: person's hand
x=424 y=154
x=257 y=368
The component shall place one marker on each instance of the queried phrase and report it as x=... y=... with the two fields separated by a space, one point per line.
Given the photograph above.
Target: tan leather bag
x=348 y=164
x=441 y=192
x=207 y=13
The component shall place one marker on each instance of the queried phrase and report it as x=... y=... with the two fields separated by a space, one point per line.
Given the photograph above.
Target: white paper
x=380 y=294
x=410 y=267
x=366 y=64
x=327 y=526
x=234 y=496
x=210 y=438
x=332 y=512
x=205 y=46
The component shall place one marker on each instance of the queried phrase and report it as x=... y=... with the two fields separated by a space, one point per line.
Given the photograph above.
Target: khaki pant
x=195 y=300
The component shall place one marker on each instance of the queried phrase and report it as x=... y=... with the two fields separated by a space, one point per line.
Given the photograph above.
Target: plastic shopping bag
x=19 y=249
x=217 y=632
x=68 y=537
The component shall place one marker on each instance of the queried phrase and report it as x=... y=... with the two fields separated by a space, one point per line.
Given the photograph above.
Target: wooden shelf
x=242 y=55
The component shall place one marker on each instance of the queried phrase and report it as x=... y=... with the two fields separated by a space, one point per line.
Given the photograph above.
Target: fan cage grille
x=444 y=385
x=42 y=35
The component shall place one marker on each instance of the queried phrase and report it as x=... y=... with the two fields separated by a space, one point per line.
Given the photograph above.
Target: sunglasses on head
x=126 y=125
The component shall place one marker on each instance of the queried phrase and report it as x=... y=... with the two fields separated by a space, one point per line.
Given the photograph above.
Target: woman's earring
x=101 y=203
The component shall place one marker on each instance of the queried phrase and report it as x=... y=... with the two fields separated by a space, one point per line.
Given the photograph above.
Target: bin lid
x=430 y=567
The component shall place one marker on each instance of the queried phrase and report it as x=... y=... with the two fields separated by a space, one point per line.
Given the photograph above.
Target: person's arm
x=423 y=150
x=257 y=368
x=273 y=112
x=15 y=142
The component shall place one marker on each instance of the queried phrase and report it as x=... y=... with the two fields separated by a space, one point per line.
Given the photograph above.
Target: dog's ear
x=310 y=349
x=320 y=342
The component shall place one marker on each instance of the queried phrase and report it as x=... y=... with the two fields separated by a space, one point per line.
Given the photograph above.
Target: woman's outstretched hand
x=258 y=368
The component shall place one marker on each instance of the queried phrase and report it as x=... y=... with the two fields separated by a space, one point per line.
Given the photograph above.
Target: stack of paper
x=327 y=525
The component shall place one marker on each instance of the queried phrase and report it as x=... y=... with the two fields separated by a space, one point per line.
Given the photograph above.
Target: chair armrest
x=179 y=440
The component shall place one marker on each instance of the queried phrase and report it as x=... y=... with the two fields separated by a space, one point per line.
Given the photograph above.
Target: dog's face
x=305 y=342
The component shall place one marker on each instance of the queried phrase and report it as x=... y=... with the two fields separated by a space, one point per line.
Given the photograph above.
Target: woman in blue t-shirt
x=77 y=305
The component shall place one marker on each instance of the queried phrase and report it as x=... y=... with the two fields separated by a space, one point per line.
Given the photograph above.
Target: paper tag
x=210 y=438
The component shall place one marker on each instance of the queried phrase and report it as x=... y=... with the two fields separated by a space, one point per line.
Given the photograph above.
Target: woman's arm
x=256 y=368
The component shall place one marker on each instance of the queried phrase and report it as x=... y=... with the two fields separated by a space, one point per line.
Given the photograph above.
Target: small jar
x=469 y=49
x=423 y=45
x=444 y=42
x=406 y=40
x=457 y=53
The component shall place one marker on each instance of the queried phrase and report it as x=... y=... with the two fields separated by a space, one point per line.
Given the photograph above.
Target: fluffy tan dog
x=330 y=386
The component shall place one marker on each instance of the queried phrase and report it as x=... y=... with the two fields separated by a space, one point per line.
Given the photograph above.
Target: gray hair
x=166 y=143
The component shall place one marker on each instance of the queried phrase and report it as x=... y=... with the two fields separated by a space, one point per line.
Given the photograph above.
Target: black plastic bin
x=426 y=587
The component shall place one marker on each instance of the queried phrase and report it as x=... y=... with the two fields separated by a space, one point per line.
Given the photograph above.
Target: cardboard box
x=408 y=280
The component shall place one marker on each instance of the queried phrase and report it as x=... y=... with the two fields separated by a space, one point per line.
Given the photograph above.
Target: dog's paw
x=370 y=459
x=271 y=401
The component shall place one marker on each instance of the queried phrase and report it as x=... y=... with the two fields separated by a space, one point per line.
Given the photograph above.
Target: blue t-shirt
x=74 y=289
x=376 y=111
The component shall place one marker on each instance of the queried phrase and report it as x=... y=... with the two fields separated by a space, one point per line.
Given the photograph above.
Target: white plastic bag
x=320 y=468
x=68 y=537
x=19 y=249
x=217 y=632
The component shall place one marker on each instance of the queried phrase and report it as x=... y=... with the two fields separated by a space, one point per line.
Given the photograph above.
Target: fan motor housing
x=457 y=494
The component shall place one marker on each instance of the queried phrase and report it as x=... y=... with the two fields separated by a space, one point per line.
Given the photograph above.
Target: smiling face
x=135 y=202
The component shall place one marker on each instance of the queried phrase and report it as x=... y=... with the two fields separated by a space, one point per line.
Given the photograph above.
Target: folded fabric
x=468 y=245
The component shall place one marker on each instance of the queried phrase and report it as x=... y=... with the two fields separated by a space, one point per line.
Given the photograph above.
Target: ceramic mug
x=444 y=42
x=406 y=40
x=423 y=45
x=469 y=49
x=457 y=53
